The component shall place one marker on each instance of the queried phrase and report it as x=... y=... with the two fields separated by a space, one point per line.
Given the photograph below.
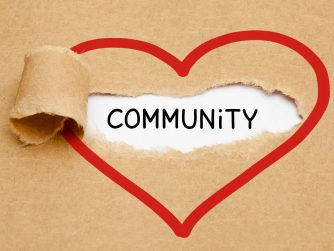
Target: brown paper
x=39 y=112
x=52 y=199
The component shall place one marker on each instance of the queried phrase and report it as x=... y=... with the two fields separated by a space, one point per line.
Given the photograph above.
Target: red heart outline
x=182 y=67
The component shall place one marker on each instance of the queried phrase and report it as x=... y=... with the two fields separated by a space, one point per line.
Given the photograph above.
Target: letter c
x=109 y=117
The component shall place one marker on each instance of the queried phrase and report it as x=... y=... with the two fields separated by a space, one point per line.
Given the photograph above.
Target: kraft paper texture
x=52 y=199
x=39 y=113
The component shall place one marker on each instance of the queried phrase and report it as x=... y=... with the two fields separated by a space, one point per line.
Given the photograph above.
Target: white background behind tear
x=276 y=113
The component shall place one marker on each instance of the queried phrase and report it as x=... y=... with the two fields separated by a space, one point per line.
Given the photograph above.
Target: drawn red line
x=182 y=68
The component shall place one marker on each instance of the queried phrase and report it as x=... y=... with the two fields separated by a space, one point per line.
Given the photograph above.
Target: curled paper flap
x=54 y=88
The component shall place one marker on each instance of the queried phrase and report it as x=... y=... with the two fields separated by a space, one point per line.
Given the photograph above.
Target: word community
x=197 y=118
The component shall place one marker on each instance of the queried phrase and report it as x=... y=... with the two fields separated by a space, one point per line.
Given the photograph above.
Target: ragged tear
x=217 y=116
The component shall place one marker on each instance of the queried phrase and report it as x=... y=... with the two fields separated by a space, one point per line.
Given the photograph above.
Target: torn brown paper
x=51 y=198
x=39 y=113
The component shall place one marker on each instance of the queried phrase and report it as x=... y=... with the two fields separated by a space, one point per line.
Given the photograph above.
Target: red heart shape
x=182 y=67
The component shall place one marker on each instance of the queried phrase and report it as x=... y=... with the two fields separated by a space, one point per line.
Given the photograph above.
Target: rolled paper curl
x=53 y=90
